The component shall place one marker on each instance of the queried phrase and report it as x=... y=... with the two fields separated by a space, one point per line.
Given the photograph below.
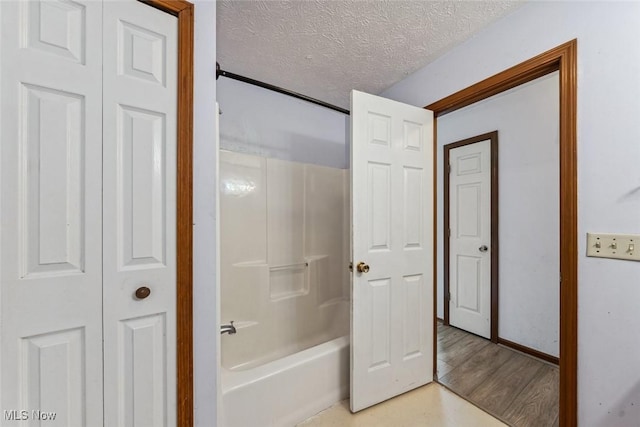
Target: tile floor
x=431 y=405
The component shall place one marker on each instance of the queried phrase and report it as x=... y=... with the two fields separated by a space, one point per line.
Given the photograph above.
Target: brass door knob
x=142 y=292
x=362 y=267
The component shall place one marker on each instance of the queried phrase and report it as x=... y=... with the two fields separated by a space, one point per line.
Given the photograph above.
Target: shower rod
x=220 y=72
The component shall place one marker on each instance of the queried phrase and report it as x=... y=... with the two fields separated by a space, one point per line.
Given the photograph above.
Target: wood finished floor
x=520 y=390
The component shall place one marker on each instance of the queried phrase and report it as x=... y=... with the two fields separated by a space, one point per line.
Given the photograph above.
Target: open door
x=392 y=243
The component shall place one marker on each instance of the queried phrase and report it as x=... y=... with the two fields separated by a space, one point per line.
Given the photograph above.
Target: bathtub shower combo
x=284 y=289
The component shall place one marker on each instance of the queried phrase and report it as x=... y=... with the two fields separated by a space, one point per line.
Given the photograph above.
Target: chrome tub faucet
x=228 y=329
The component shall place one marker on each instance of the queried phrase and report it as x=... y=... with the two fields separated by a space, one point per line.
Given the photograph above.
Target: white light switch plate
x=617 y=246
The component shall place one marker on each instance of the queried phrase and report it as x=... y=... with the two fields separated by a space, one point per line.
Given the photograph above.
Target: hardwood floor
x=520 y=390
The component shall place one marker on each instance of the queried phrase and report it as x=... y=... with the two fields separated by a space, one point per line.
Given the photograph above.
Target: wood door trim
x=530 y=351
x=563 y=59
x=493 y=137
x=184 y=11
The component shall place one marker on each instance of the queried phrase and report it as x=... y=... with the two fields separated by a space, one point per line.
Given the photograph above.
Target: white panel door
x=392 y=226
x=51 y=213
x=470 y=238
x=140 y=94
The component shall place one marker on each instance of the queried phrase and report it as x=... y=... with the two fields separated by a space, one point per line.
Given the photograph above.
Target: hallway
x=519 y=389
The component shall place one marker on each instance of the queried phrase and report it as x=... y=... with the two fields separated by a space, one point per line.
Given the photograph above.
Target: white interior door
x=140 y=94
x=51 y=213
x=470 y=238
x=392 y=234
x=69 y=256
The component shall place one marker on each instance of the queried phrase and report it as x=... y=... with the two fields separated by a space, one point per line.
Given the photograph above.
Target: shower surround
x=285 y=282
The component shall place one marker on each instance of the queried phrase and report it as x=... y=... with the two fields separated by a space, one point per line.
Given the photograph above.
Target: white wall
x=608 y=172
x=527 y=121
x=204 y=215
x=269 y=124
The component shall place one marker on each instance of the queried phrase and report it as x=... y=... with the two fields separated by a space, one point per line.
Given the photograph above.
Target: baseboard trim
x=530 y=351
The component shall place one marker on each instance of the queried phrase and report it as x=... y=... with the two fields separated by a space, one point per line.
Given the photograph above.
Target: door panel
x=412 y=315
x=140 y=81
x=413 y=223
x=378 y=295
x=379 y=212
x=470 y=226
x=53 y=190
x=392 y=226
x=53 y=382
x=141 y=176
x=56 y=27
x=142 y=370
x=51 y=211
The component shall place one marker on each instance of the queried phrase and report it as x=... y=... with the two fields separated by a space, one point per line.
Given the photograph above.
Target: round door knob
x=483 y=248
x=142 y=292
x=362 y=267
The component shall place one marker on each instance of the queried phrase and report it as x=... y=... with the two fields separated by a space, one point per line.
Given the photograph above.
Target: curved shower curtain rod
x=220 y=72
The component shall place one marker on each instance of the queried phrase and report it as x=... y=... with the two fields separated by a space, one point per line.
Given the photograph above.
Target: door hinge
x=449 y=232
x=449 y=167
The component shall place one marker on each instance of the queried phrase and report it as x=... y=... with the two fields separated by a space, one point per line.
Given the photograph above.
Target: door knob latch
x=142 y=292
x=362 y=267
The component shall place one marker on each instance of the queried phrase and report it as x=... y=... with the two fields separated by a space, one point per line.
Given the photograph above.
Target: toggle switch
x=617 y=246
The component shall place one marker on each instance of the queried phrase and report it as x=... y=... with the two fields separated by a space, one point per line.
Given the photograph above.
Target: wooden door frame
x=493 y=138
x=563 y=59
x=184 y=11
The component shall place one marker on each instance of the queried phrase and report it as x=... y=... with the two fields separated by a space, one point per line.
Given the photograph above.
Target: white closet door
x=140 y=95
x=51 y=213
x=470 y=238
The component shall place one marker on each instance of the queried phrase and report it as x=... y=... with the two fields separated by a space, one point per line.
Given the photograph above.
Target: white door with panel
x=70 y=259
x=392 y=243
x=51 y=210
x=139 y=155
x=470 y=238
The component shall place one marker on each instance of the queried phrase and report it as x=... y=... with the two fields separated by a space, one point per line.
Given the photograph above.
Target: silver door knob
x=483 y=248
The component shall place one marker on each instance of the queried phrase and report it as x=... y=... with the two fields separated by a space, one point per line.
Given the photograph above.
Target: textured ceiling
x=324 y=49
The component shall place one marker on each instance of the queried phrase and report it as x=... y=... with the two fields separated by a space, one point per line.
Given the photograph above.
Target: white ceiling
x=324 y=49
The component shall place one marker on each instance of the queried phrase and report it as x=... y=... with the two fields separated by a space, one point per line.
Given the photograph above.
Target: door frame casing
x=493 y=138
x=184 y=11
x=563 y=59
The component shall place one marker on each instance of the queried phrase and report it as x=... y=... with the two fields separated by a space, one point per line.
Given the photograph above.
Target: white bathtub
x=287 y=391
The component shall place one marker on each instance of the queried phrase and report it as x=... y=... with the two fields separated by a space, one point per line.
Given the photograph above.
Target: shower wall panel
x=284 y=257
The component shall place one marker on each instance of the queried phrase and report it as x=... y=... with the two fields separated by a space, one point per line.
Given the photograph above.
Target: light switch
x=617 y=246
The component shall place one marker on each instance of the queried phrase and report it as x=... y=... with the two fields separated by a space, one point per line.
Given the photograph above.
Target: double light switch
x=617 y=246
